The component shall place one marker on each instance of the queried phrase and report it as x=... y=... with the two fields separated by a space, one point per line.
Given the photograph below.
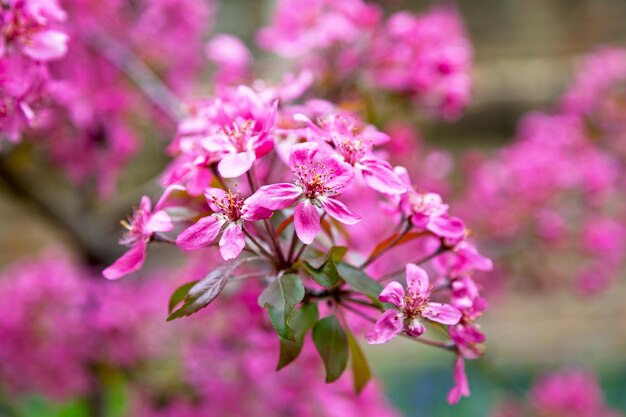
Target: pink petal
x=214 y=193
x=306 y=221
x=339 y=211
x=461 y=387
x=131 y=261
x=200 y=234
x=302 y=154
x=448 y=227
x=235 y=165
x=199 y=178
x=418 y=284
x=275 y=196
x=343 y=173
x=379 y=175
x=46 y=45
x=145 y=205
x=159 y=222
x=388 y=325
x=168 y=191
x=392 y=293
x=442 y=313
x=253 y=213
x=232 y=242
x=415 y=328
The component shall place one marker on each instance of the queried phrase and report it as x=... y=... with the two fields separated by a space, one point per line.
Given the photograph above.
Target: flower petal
x=302 y=154
x=442 y=313
x=200 y=234
x=461 y=386
x=417 y=281
x=392 y=293
x=343 y=173
x=275 y=196
x=131 y=261
x=46 y=45
x=306 y=221
x=388 y=325
x=339 y=211
x=232 y=242
x=448 y=227
x=236 y=164
x=379 y=175
x=159 y=222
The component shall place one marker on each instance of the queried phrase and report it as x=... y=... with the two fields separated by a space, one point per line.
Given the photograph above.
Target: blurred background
x=525 y=57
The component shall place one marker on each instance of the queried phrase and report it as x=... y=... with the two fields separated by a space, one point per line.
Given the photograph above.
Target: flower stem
x=391 y=244
x=257 y=244
x=438 y=252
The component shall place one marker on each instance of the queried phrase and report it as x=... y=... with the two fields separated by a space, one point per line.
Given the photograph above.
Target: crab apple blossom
x=230 y=211
x=142 y=227
x=354 y=144
x=28 y=27
x=318 y=179
x=411 y=305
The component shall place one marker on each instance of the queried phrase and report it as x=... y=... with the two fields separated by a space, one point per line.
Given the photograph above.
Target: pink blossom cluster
x=288 y=184
x=428 y=57
x=86 y=106
x=556 y=192
x=565 y=393
x=58 y=322
x=425 y=57
x=64 y=332
x=30 y=38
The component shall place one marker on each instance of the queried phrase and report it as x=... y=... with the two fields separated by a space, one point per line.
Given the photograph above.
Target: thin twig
x=393 y=243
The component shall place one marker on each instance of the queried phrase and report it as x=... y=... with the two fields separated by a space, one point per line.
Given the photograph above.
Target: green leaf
x=360 y=369
x=301 y=322
x=202 y=293
x=179 y=295
x=332 y=344
x=280 y=298
x=360 y=281
x=338 y=252
x=326 y=274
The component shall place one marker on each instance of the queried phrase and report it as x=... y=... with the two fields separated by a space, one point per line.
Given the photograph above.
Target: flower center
x=230 y=204
x=413 y=305
x=239 y=134
x=135 y=226
x=313 y=177
x=352 y=149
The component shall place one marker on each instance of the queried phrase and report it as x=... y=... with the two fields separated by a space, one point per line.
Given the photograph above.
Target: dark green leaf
x=301 y=322
x=326 y=274
x=280 y=298
x=332 y=344
x=360 y=369
x=179 y=295
x=206 y=290
x=360 y=281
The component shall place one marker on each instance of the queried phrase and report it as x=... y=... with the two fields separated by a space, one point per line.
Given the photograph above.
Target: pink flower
x=428 y=212
x=231 y=56
x=318 y=178
x=571 y=392
x=230 y=211
x=354 y=144
x=141 y=229
x=461 y=386
x=27 y=25
x=410 y=307
x=232 y=130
